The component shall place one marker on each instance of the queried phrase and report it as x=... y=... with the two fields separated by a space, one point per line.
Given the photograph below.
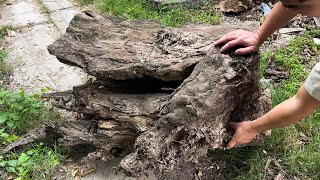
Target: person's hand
x=249 y=40
x=244 y=133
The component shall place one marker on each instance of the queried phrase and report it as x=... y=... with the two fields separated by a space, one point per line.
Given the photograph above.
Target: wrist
x=255 y=127
x=258 y=36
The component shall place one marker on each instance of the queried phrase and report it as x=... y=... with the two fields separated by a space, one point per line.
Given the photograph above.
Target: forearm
x=288 y=112
x=278 y=17
x=282 y=115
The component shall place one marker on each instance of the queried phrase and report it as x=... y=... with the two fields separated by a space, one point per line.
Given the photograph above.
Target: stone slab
x=54 y=5
x=34 y=68
x=62 y=18
x=22 y=13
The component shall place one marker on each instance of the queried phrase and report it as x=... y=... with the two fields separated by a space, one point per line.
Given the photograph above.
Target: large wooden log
x=161 y=97
x=221 y=88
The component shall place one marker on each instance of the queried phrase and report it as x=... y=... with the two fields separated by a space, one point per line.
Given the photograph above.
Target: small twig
x=86 y=173
x=266 y=168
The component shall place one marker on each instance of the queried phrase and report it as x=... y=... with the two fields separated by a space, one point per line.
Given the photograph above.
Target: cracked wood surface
x=162 y=96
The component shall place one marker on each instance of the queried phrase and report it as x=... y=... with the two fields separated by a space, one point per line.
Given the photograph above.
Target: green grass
x=4 y=68
x=18 y=114
x=290 y=57
x=36 y=163
x=2 y=32
x=142 y=9
x=293 y=150
x=21 y=112
x=43 y=7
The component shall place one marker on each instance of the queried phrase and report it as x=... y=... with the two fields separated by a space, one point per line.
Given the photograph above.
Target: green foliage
x=3 y=30
x=294 y=149
x=241 y=162
x=43 y=7
x=35 y=163
x=20 y=112
x=291 y=58
x=4 y=68
x=142 y=9
x=264 y=59
x=85 y=2
x=3 y=54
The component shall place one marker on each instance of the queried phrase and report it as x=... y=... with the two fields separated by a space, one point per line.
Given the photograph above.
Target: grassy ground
x=292 y=151
x=4 y=69
x=141 y=9
x=18 y=114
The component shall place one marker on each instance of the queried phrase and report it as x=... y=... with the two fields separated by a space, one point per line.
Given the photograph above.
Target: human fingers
x=246 y=50
x=232 y=35
x=232 y=143
x=225 y=39
x=233 y=125
x=230 y=44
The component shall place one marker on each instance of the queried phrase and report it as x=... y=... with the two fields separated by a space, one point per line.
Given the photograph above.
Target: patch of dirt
x=253 y=14
x=275 y=71
x=256 y=14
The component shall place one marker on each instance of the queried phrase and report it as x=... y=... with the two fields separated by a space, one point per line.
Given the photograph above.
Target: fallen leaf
x=279 y=176
x=317 y=21
x=10 y=177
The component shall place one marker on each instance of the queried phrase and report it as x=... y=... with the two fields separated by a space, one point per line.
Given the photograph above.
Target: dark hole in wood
x=143 y=86
x=117 y=151
x=81 y=150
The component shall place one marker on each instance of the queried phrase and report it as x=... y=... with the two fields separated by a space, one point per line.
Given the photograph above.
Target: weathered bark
x=162 y=96
x=109 y=48
x=221 y=88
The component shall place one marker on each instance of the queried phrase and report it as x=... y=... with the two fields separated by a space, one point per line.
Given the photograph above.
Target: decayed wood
x=161 y=97
x=221 y=88
x=110 y=48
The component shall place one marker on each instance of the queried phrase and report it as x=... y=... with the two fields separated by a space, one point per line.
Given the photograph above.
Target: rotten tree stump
x=162 y=96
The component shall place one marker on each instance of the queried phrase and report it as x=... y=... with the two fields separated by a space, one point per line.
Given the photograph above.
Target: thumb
x=246 y=50
x=233 y=125
x=232 y=143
